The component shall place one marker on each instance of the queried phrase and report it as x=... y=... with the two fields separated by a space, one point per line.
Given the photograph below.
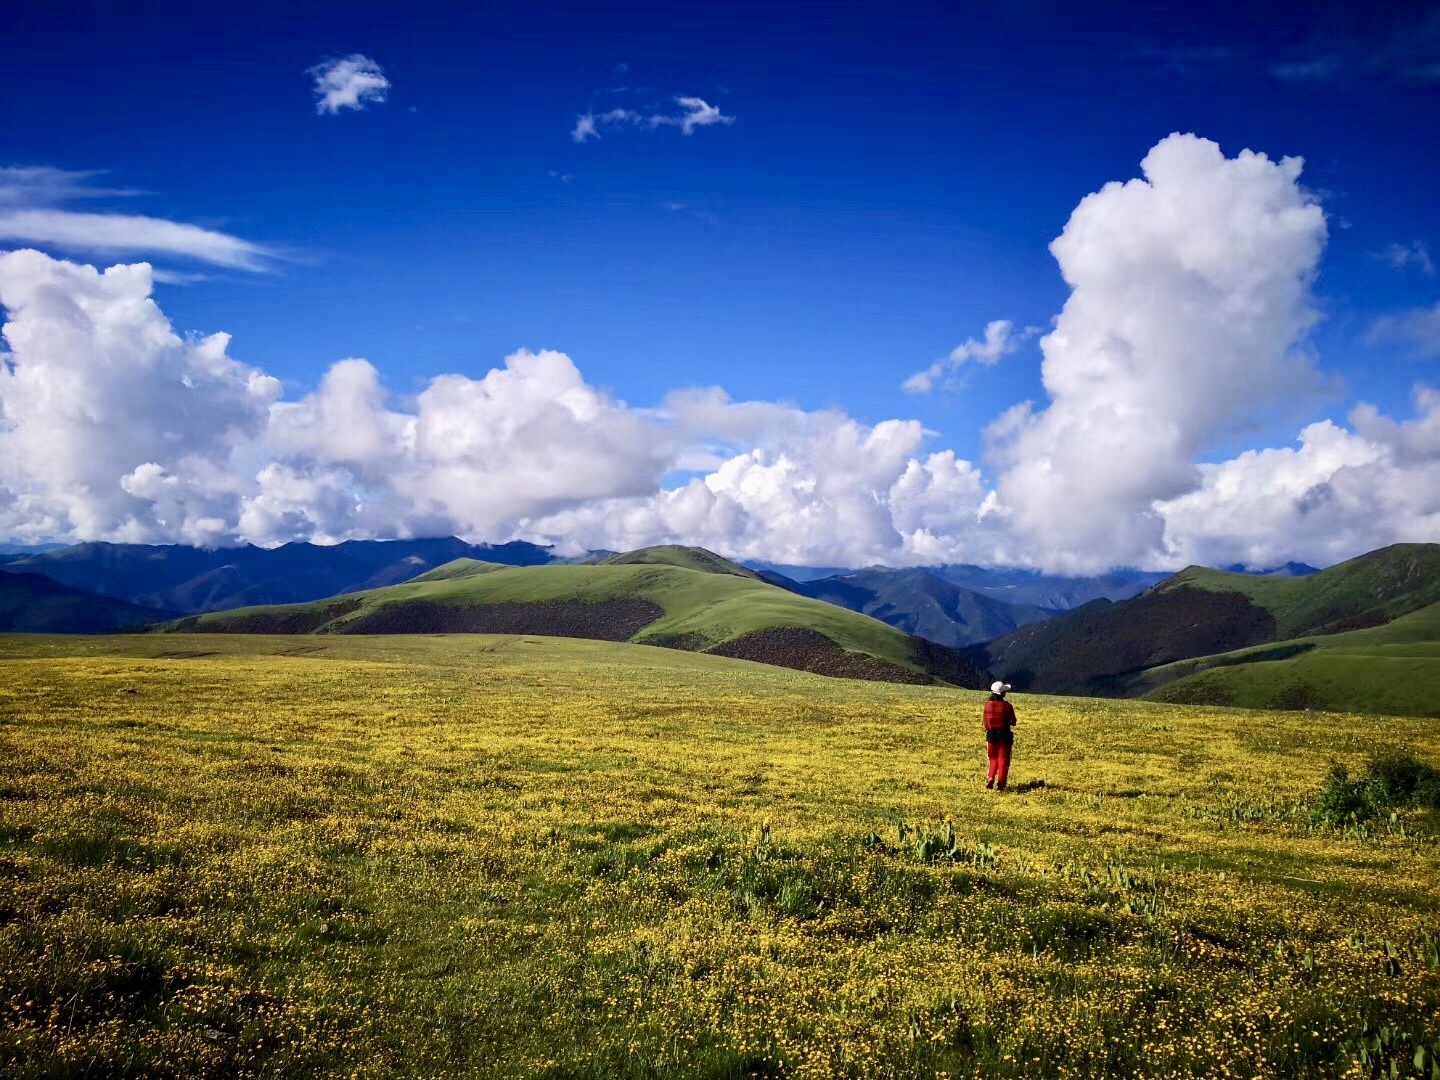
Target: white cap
x=998 y=687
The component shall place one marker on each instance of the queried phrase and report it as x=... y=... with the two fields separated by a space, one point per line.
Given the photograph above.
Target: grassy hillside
x=1100 y=647
x=1392 y=669
x=690 y=558
x=33 y=603
x=1185 y=622
x=1366 y=591
x=647 y=603
x=508 y=857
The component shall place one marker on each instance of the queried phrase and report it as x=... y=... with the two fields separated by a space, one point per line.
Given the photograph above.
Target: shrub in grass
x=1404 y=780
x=1392 y=779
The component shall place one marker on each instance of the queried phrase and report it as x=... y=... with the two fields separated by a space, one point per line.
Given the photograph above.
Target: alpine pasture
x=518 y=856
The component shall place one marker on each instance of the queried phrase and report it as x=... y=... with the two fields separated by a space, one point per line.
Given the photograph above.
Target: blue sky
x=887 y=185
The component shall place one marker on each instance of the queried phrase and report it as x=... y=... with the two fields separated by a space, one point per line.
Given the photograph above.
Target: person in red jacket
x=999 y=735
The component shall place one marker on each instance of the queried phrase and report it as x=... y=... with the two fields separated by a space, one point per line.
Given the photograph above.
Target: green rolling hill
x=679 y=598
x=689 y=558
x=1392 y=669
x=1363 y=635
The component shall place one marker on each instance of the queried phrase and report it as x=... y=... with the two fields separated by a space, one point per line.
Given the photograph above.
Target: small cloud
x=33 y=211
x=41 y=185
x=1404 y=51
x=177 y=277
x=694 y=113
x=585 y=128
x=349 y=83
x=698 y=113
x=1416 y=331
x=1192 y=61
x=1322 y=69
x=1412 y=54
x=117 y=233
x=1001 y=339
x=1404 y=256
x=563 y=177
x=679 y=206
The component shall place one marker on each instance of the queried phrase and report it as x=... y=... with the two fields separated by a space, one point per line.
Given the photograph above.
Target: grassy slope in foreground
x=652 y=604
x=511 y=858
x=1392 y=670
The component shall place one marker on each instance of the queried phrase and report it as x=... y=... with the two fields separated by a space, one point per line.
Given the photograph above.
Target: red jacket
x=999 y=714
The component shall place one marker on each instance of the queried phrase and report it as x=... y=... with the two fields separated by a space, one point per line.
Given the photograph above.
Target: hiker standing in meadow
x=999 y=735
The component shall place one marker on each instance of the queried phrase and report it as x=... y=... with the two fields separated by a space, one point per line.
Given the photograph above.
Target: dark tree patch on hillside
x=1099 y=650
x=951 y=665
x=684 y=642
x=604 y=620
x=1362 y=621
x=810 y=650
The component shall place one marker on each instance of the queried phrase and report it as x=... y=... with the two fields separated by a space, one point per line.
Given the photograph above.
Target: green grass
x=713 y=607
x=691 y=558
x=516 y=857
x=1392 y=669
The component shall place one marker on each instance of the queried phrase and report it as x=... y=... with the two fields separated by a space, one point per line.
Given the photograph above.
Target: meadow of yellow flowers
x=520 y=857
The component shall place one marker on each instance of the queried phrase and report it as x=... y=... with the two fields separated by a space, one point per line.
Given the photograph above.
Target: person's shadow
x=1028 y=785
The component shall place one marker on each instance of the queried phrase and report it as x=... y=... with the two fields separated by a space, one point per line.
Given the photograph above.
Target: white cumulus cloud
x=111 y=425
x=1189 y=310
x=1190 y=296
x=1340 y=492
x=351 y=82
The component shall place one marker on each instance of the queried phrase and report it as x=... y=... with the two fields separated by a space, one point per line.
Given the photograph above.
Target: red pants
x=999 y=764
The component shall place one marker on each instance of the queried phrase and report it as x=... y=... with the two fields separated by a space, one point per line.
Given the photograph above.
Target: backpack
x=995 y=714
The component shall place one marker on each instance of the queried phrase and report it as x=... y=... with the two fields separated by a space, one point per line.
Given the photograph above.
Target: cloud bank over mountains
x=1189 y=309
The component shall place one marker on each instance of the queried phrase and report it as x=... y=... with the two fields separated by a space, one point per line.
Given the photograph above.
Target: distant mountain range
x=1024 y=587
x=1364 y=635
x=186 y=579
x=679 y=598
x=955 y=605
x=920 y=602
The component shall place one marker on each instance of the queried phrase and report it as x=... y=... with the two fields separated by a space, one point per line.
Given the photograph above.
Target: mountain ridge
x=921 y=603
x=648 y=600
